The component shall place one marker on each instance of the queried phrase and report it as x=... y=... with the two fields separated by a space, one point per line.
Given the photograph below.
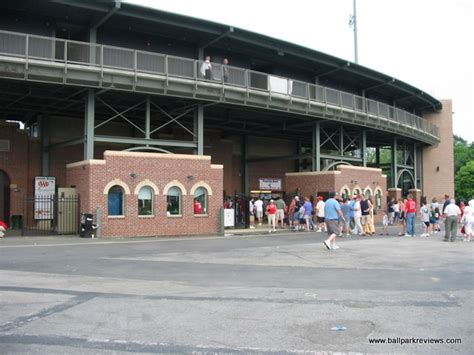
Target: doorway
x=4 y=197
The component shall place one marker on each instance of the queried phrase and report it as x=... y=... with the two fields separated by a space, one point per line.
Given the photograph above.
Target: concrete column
x=89 y=123
x=198 y=124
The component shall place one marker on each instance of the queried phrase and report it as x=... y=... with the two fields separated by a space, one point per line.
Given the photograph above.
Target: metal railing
x=102 y=56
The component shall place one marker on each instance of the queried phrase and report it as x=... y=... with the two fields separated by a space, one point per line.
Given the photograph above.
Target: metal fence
x=103 y=56
x=50 y=215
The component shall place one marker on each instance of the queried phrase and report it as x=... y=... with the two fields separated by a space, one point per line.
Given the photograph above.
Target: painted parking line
x=179 y=239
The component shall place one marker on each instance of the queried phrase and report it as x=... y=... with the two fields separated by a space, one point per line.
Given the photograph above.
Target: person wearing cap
x=332 y=213
x=320 y=213
x=271 y=214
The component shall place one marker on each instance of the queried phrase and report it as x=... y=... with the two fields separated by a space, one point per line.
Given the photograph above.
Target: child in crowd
x=437 y=218
x=425 y=219
x=385 y=222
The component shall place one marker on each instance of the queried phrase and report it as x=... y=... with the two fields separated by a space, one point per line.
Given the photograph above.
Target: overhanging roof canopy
x=330 y=70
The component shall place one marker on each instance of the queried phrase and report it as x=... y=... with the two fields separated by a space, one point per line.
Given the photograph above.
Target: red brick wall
x=21 y=164
x=91 y=177
x=310 y=183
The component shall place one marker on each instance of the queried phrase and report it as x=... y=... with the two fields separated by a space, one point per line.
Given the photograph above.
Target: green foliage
x=463 y=153
x=465 y=181
x=463 y=168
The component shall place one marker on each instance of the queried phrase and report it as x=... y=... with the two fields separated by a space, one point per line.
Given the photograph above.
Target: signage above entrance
x=45 y=188
x=270 y=184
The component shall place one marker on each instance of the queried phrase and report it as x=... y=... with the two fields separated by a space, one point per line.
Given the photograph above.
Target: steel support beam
x=339 y=158
x=198 y=127
x=74 y=141
x=316 y=156
x=394 y=163
x=244 y=167
x=147 y=118
x=318 y=146
x=89 y=125
x=364 y=147
x=341 y=141
x=44 y=131
x=415 y=168
x=143 y=141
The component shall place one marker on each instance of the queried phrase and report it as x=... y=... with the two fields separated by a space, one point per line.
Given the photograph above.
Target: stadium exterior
x=119 y=110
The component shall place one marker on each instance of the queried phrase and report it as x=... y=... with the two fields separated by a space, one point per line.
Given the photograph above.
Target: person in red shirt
x=3 y=228
x=271 y=211
x=410 y=215
x=197 y=207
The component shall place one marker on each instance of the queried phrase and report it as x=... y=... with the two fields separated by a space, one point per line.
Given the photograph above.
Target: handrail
x=104 y=56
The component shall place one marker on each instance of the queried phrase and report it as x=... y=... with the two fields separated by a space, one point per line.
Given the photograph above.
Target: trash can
x=87 y=227
x=17 y=222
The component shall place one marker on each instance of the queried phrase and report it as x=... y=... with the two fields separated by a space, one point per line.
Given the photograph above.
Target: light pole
x=353 y=24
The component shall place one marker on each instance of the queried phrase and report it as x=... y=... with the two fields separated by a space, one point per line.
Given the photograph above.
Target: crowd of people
x=355 y=216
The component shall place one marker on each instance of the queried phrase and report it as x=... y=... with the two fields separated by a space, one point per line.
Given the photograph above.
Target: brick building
x=111 y=105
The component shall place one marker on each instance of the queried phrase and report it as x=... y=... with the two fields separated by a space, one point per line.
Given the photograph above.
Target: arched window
x=173 y=199
x=367 y=194
x=378 y=200
x=115 y=201
x=145 y=201
x=200 y=201
x=356 y=192
x=345 y=193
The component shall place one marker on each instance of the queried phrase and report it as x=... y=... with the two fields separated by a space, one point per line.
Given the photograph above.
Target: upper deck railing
x=33 y=47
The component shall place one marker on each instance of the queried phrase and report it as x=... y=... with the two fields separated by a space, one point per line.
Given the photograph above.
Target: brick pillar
x=395 y=192
x=416 y=193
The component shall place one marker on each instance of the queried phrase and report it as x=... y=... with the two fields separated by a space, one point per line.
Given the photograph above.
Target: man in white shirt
x=320 y=214
x=206 y=68
x=452 y=213
x=259 y=210
x=358 y=229
x=252 y=213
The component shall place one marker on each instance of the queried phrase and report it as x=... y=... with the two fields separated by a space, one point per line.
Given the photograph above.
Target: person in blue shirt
x=308 y=209
x=346 y=211
x=332 y=212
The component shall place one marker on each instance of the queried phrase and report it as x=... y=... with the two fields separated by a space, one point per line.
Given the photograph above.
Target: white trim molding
x=146 y=182
x=119 y=183
x=200 y=184
x=174 y=183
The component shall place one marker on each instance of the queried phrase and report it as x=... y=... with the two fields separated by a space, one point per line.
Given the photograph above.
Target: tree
x=463 y=153
x=465 y=181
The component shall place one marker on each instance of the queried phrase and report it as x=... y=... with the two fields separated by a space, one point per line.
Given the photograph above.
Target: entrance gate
x=51 y=215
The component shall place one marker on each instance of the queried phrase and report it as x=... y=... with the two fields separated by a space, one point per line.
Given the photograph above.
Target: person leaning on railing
x=206 y=68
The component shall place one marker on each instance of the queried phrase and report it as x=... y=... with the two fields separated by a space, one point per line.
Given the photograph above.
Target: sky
x=425 y=43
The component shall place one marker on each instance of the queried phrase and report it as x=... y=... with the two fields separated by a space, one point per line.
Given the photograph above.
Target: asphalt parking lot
x=279 y=293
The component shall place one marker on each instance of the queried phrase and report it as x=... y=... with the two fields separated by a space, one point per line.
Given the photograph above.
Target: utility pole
x=353 y=24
